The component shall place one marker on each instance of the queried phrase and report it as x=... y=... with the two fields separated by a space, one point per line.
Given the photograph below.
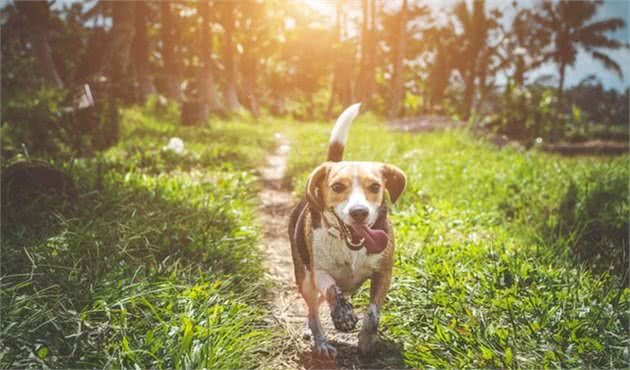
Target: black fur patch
x=316 y=218
x=381 y=220
x=296 y=231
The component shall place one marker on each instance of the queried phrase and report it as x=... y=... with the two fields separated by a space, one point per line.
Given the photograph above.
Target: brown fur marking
x=335 y=151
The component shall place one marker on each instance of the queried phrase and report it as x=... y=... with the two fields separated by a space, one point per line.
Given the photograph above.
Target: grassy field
x=492 y=250
x=505 y=258
x=155 y=266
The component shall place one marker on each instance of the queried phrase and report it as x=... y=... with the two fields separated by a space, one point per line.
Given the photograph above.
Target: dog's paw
x=341 y=312
x=323 y=349
x=343 y=317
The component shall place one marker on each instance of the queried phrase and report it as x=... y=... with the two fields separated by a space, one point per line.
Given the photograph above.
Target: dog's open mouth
x=374 y=241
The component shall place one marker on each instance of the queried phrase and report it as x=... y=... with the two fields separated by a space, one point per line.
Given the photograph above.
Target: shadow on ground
x=389 y=356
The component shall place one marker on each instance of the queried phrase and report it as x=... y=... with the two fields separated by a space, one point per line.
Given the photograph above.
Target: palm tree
x=141 y=50
x=207 y=90
x=525 y=44
x=398 y=55
x=228 y=10
x=570 y=25
x=477 y=24
x=171 y=69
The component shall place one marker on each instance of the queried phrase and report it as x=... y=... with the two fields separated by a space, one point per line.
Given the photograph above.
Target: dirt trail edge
x=288 y=308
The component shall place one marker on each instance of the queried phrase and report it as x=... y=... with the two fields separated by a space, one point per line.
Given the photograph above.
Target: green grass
x=156 y=264
x=505 y=258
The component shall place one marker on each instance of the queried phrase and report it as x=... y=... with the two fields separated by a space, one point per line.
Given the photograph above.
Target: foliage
x=479 y=280
x=292 y=58
x=31 y=119
x=45 y=122
x=571 y=26
x=526 y=114
x=611 y=108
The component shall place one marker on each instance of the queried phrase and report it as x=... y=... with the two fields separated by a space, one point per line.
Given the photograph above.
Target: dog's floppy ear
x=395 y=181
x=313 y=195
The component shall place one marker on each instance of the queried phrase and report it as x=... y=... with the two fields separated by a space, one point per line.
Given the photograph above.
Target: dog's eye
x=338 y=187
x=375 y=188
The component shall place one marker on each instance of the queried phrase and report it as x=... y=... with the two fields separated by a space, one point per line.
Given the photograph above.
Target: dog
x=341 y=236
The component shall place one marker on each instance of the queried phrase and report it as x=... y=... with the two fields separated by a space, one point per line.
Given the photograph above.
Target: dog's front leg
x=341 y=312
x=321 y=347
x=313 y=297
x=368 y=336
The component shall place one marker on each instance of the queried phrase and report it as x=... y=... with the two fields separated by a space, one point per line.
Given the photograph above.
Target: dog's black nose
x=359 y=213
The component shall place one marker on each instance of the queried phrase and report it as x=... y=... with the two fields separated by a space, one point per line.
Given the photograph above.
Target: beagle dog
x=341 y=236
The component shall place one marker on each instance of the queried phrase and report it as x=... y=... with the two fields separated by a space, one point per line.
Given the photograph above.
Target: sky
x=585 y=64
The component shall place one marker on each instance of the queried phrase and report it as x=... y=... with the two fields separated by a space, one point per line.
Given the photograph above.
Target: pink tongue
x=375 y=240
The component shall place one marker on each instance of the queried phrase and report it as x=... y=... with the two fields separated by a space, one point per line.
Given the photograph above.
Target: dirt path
x=288 y=307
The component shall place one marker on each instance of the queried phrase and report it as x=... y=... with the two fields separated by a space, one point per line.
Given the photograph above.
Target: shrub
x=39 y=121
x=526 y=112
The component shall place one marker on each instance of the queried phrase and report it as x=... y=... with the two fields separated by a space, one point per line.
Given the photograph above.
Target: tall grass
x=156 y=264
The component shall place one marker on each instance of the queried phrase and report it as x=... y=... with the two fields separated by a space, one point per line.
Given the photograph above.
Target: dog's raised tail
x=339 y=134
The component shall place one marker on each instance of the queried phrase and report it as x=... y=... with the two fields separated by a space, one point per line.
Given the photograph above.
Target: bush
x=40 y=122
x=526 y=112
x=31 y=118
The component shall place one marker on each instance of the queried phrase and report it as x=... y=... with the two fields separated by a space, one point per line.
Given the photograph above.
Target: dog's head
x=354 y=191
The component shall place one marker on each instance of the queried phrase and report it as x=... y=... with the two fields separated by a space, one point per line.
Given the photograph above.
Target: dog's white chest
x=349 y=268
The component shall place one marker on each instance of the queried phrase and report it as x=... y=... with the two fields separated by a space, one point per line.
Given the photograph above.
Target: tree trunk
x=250 y=69
x=278 y=106
x=140 y=50
x=469 y=87
x=438 y=78
x=251 y=13
x=483 y=85
x=362 y=83
x=477 y=39
x=370 y=77
x=37 y=13
x=335 y=89
x=207 y=89
x=171 y=75
x=123 y=31
x=399 y=50
x=556 y=122
x=230 y=94
x=348 y=67
x=366 y=83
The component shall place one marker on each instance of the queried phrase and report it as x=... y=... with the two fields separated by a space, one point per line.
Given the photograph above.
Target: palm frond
x=576 y=13
x=607 y=25
x=595 y=40
x=608 y=62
